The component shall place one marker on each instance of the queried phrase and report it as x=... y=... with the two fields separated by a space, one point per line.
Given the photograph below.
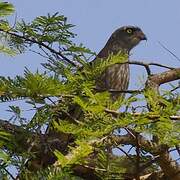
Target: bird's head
x=127 y=37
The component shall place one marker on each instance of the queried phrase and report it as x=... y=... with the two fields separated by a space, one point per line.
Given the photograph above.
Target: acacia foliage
x=65 y=84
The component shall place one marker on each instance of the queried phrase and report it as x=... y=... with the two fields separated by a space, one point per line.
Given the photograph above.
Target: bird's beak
x=141 y=35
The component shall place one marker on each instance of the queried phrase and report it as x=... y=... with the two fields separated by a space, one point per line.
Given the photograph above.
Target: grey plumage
x=116 y=77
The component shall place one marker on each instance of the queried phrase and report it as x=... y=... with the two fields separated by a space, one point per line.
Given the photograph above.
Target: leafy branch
x=74 y=126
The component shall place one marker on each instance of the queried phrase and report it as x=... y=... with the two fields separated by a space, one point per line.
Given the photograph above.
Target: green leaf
x=76 y=156
x=8 y=51
x=4 y=137
x=4 y=156
x=80 y=49
x=6 y=8
x=63 y=161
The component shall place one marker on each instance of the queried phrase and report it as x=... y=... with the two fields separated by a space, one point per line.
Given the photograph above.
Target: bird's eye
x=129 y=31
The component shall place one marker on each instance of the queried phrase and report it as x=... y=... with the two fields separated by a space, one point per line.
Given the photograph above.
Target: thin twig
x=15 y=21
x=148 y=115
x=71 y=118
x=177 y=159
x=51 y=100
x=145 y=65
x=130 y=149
x=137 y=157
x=127 y=91
x=41 y=44
x=12 y=177
x=169 y=51
x=130 y=132
x=103 y=170
x=160 y=65
x=128 y=156
x=38 y=53
x=174 y=89
x=149 y=163
x=119 y=91
x=178 y=149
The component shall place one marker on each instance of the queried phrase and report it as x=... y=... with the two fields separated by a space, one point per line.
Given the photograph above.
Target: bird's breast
x=114 y=78
x=117 y=77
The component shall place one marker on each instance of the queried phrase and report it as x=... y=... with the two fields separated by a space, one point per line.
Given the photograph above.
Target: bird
x=116 y=77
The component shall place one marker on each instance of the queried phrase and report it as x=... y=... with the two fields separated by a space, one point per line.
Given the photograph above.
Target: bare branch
x=127 y=155
x=169 y=167
x=156 y=80
x=146 y=65
x=174 y=89
x=12 y=177
x=169 y=51
x=137 y=157
x=120 y=91
x=148 y=115
x=127 y=91
x=160 y=65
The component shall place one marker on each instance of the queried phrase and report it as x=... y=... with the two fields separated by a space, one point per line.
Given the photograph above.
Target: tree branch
x=146 y=65
x=37 y=142
x=32 y=40
x=148 y=115
x=156 y=80
x=170 y=168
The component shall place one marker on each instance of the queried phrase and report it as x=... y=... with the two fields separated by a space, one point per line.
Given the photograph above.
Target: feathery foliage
x=63 y=142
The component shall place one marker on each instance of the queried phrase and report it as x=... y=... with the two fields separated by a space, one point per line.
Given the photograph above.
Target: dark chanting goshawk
x=116 y=77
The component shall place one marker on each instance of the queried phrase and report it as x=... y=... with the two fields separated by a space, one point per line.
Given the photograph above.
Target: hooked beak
x=141 y=35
